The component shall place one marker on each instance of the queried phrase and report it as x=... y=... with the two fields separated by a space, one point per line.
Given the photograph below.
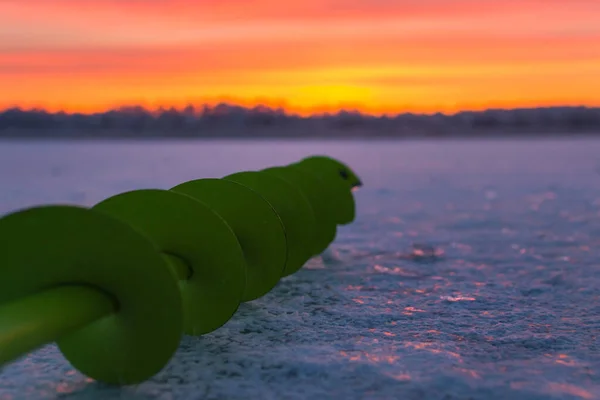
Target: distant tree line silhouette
x=226 y=120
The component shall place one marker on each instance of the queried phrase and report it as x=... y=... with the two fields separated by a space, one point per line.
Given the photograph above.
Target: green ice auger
x=116 y=285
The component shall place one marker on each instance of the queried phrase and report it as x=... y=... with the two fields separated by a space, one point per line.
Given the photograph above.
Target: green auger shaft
x=118 y=284
x=27 y=323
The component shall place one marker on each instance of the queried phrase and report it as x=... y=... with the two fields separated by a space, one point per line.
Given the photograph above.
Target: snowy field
x=471 y=272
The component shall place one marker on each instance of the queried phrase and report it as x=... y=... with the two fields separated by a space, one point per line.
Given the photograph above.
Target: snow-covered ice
x=471 y=272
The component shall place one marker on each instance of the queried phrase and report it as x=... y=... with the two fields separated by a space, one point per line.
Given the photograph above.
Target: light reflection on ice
x=433 y=348
x=457 y=298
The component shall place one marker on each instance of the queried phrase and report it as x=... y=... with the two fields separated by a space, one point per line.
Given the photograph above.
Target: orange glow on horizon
x=310 y=57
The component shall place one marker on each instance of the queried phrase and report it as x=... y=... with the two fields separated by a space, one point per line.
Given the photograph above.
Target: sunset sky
x=310 y=55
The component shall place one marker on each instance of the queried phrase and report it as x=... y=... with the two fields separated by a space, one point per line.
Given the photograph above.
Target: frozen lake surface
x=508 y=308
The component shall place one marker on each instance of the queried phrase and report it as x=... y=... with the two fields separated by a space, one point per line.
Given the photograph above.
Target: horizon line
x=290 y=112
